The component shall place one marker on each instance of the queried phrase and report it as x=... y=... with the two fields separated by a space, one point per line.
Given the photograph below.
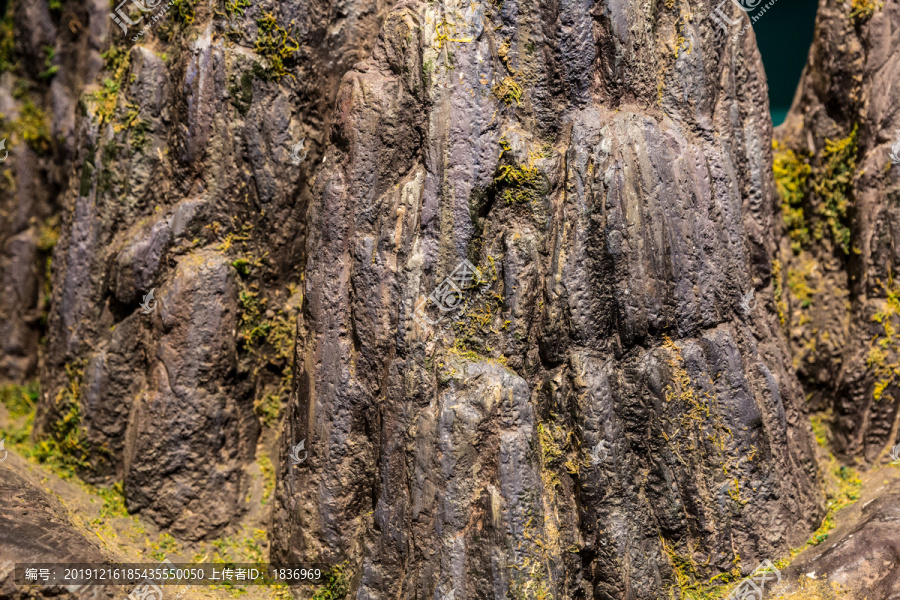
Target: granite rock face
x=607 y=172
x=839 y=301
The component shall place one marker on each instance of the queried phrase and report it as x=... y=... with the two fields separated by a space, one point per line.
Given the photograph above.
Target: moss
x=64 y=449
x=117 y=62
x=236 y=7
x=87 y=173
x=268 y=473
x=253 y=327
x=113 y=502
x=791 y=175
x=7 y=42
x=848 y=486
x=183 y=12
x=508 y=91
x=48 y=234
x=164 y=546
x=548 y=437
x=862 y=10
x=268 y=409
x=20 y=400
x=690 y=585
x=337 y=584
x=883 y=359
x=814 y=589
x=276 y=45
x=52 y=69
x=833 y=184
x=820 y=429
x=32 y=124
x=518 y=184
x=8 y=54
x=799 y=286
x=242 y=94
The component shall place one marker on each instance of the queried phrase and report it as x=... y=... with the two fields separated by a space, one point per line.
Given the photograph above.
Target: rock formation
x=526 y=292
x=837 y=251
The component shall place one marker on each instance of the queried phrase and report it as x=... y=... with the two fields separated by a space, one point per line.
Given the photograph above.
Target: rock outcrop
x=838 y=247
x=517 y=292
x=35 y=529
x=610 y=407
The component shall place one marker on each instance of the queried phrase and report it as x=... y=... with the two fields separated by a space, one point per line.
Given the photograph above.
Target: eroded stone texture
x=837 y=300
x=860 y=556
x=183 y=186
x=607 y=170
x=34 y=528
x=38 y=124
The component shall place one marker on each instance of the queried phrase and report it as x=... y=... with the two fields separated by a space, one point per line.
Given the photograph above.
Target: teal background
x=784 y=34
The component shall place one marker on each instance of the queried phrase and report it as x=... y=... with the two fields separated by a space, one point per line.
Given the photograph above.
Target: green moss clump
x=242 y=94
x=236 y=7
x=834 y=183
x=52 y=69
x=337 y=585
x=862 y=10
x=33 y=126
x=184 y=12
x=166 y=545
x=509 y=91
x=253 y=327
x=518 y=184
x=276 y=45
x=268 y=409
x=268 y=473
x=883 y=359
x=820 y=429
x=797 y=282
x=116 y=64
x=20 y=400
x=64 y=449
x=113 y=502
x=791 y=174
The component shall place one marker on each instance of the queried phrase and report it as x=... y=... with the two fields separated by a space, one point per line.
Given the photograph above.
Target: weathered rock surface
x=618 y=213
x=34 y=529
x=860 y=556
x=37 y=119
x=612 y=407
x=183 y=187
x=839 y=293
